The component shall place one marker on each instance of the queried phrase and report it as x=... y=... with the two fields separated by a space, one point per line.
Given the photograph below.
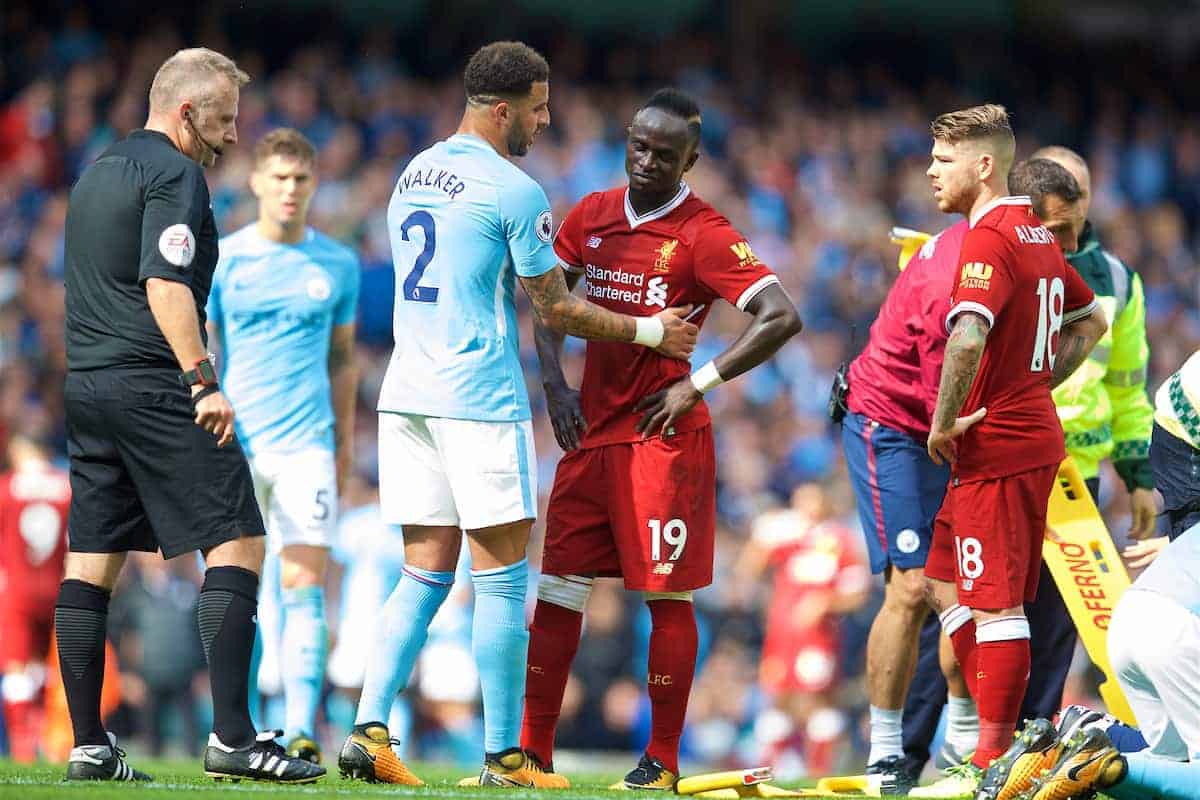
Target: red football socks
x=1003 y=676
x=672 y=663
x=553 y=641
x=967 y=652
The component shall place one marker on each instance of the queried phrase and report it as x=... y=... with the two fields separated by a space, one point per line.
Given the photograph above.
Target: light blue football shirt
x=464 y=223
x=275 y=306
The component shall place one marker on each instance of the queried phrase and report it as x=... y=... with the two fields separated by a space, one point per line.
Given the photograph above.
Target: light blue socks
x=403 y=626
x=305 y=646
x=500 y=641
x=1152 y=778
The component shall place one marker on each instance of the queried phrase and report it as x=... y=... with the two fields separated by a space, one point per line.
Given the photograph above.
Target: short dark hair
x=503 y=71
x=1039 y=177
x=681 y=104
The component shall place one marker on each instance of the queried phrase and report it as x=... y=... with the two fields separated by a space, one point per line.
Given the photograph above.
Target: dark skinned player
x=635 y=495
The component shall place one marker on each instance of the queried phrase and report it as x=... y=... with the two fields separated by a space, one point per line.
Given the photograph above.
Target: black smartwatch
x=203 y=374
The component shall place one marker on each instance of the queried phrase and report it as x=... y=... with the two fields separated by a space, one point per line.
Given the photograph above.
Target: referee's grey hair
x=189 y=75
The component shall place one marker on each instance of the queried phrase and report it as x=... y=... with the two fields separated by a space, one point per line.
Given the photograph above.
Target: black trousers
x=1052 y=646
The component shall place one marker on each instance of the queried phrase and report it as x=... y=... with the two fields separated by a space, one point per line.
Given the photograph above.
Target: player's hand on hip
x=1142 y=513
x=1142 y=554
x=679 y=335
x=566 y=415
x=215 y=415
x=941 y=445
x=663 y=408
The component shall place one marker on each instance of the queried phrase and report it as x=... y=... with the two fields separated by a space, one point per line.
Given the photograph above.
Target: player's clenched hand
x=679 y=335
x=1142 y=554
x=941 y=445
x=1142 y=513
x=566 y=415
x=663 y=408
x=215 y=415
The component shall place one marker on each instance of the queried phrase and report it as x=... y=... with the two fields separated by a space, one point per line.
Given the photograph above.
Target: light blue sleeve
x=213 y=309
x=347 y=307
x=528 y=226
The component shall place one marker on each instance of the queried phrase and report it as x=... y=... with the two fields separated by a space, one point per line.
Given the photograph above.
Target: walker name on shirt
x=432 y=178
x=625 y=287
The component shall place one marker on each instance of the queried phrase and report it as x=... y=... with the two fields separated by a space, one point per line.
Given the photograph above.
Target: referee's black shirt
x=140 y=211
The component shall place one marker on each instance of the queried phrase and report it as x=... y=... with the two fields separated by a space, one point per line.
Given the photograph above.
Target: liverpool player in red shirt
x=34 y=498
x=635 y=496
x=1019 y=318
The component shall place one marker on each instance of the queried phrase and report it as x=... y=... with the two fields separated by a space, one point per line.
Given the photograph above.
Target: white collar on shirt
x=658 y=213
x=1012 y=200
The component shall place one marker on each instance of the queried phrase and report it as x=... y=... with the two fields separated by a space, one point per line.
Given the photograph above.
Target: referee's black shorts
x=144 y=476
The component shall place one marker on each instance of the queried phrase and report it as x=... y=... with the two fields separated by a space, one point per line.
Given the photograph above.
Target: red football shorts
x=24 y=635
x=645 y=511
x=988 y=538
x=805 y=663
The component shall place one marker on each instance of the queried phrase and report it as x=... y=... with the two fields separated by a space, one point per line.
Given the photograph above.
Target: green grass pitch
x=176 y=778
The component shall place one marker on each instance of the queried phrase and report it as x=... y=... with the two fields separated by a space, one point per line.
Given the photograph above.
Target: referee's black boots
x=264 y=760
x=97 y=762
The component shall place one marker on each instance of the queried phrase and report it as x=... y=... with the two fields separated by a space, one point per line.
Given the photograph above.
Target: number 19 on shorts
x=673 y=534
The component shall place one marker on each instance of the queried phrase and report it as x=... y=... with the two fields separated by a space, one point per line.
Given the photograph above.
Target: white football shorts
x=457 y=472
x=1154 y=648
x=297 y=494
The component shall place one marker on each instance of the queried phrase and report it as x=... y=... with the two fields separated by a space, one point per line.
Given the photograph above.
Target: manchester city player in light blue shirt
x=455 y=436
x=282 y=305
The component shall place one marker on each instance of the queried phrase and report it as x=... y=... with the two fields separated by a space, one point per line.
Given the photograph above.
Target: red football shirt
x=894 y=380
x=33 y=536
x=1013 y=274
x=684 y=252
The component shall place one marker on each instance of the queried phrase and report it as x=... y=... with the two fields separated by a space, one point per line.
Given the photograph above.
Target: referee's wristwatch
x=203 y=374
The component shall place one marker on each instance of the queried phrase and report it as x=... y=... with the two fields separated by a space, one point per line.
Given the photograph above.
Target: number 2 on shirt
x=420 y=294
x=1050 y=317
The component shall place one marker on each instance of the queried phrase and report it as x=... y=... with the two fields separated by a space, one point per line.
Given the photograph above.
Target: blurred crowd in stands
x=814 y=165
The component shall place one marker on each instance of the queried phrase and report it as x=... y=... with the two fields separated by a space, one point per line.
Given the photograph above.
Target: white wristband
x=707 y=378
x=649 y=331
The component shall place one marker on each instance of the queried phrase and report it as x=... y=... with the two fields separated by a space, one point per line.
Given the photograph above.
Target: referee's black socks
x=80 y=620
x=226 y=612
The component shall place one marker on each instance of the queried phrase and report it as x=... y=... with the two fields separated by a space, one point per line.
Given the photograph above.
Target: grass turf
x=176 y=778
x=184 y=778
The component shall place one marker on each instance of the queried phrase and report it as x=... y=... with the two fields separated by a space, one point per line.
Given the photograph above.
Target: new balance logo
x=665 y=568
x=594 y=242
x=656 y=292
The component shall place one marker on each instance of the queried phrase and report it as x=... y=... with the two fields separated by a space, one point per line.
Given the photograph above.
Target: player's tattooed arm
x=964 y=351
x=343 y=381
x=1075 y=342
x=775 y=321
x=562 y=402
x=557 y=308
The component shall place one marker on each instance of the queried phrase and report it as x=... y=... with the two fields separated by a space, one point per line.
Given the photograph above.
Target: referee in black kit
x=154 y=461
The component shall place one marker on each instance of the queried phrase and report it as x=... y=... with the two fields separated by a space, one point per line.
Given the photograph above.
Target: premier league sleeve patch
x=178 y=245
x=545 y=226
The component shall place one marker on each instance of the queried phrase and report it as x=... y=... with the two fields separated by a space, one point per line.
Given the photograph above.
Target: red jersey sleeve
x=1079 y=299
x=726 y=266
x=984 y=284
x=567 y=244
